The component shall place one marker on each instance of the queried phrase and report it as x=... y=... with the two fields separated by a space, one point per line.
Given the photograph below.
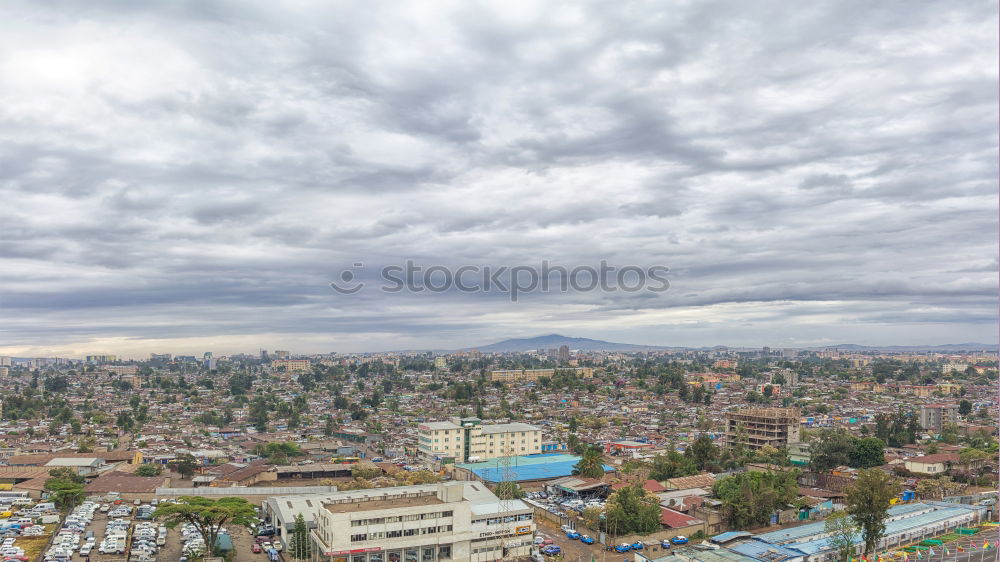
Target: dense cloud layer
x=190 y=176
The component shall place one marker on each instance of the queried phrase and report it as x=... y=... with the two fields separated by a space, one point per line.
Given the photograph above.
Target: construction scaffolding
x=754 y=428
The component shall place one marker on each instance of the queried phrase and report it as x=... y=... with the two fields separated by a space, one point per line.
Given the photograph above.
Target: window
x=359 y=538
x=447 y=513
x=444 y=552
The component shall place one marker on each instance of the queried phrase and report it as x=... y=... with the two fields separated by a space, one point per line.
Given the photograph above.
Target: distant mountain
x=554 y=341
x=944 y=348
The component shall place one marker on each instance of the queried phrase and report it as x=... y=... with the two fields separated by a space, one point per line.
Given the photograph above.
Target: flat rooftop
x=382 y=502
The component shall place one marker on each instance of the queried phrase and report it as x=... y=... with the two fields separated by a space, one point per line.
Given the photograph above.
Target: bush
x=149 y=470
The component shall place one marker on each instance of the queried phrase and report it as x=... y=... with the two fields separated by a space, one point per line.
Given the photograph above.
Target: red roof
x=653 y=486
x=940 y=457
x=676 y=519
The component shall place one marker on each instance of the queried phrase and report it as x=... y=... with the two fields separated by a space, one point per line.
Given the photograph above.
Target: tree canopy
x=632 y=510
x=868 y=501
x=749 y=498
x=207 y=515
x=591 y=464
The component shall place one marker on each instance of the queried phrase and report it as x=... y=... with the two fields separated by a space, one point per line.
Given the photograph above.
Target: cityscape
x=473 y=455
x=499 y=281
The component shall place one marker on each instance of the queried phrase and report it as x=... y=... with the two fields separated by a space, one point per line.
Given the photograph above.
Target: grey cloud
x=787 y=164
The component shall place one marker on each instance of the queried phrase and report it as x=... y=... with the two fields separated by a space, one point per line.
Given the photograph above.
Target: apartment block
x=469 y=440
x=933 y=417
x=460 y=521
x=521 y=375
x=756 y=427
x=291 y=365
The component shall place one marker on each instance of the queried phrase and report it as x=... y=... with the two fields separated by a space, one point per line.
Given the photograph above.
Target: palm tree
x=590 y=465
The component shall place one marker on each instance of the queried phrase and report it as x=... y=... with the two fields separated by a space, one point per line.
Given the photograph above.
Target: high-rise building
x=564 y=353
x=754 y=428
x=281 y=354
x=4 y=361
x=469 y=440
x=440 y=362
x=933 y=417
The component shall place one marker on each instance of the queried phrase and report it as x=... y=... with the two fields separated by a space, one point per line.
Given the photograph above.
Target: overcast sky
x=190 y=176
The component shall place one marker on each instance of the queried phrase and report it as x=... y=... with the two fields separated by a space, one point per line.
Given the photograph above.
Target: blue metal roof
x=765 y=551
x=528 y=467
x=803 y=532
x=892 y=528
x=729 y=535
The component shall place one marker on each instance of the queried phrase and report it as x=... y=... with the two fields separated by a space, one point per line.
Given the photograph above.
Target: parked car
x=586 y=539
x=572 y=535
x=637 y=545
x=679 y=539
x=551 y=550
x=623 y=547
x=255 y=548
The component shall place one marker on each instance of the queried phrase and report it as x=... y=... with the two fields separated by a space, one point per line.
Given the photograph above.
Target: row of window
x=401 y=518
x=362 y=537
x=424 y=554
x=507 y=519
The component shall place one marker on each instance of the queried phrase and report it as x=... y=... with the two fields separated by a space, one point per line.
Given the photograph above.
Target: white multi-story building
x=469 y=440
x=459 y=521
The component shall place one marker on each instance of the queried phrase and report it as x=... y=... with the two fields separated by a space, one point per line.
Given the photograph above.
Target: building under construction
x=754 y=428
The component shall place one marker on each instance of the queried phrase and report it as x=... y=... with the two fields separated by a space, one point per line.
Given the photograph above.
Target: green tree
x=149 y=469
x=867 y=503
x=831 y=448
x=632 y=510
x=66 y=494
x=591 y=464
x=672 y=465
x=301 y=545
x=843 y=534
x=867 y=453
x=67 y=474
x=185 y=464
x=950 y=433
x=206 y=515
x=749 y=498
x=965 y=407
x=703 y=452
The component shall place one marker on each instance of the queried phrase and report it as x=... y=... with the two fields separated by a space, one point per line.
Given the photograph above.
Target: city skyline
x=193 y=177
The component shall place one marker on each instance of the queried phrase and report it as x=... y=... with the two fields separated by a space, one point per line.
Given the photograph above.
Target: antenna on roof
x=507 y=494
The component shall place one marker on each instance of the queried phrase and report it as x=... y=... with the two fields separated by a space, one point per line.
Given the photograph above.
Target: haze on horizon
x=190 y=177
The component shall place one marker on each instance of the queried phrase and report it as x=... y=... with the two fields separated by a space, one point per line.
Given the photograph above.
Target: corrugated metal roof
x=525 y=468
x=729 y=535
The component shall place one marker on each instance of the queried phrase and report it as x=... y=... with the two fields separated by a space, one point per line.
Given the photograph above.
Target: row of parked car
x=147 y=537
x=115 y=536
x=73 y=535
x=194 y=544
x=10 y=551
